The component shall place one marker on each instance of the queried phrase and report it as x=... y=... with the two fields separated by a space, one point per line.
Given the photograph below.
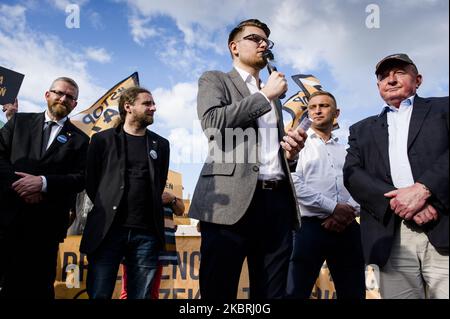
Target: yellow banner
x=297 y=104
x=177 y=281
x=104 y=113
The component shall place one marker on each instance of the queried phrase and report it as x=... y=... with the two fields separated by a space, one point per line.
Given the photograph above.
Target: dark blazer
x=105 y=182
x=63 y=165
x=367 y=174
x=225 y=188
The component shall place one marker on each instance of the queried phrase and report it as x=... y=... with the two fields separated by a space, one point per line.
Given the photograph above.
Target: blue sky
x=171 y=42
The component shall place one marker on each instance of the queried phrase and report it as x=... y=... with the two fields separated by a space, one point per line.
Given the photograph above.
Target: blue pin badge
x=153 y=154
x=62 y=139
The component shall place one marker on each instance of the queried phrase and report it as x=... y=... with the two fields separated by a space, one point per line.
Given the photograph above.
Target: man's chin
x=59 y=111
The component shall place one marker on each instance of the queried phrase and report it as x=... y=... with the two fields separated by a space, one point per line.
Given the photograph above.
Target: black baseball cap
x=394 y=57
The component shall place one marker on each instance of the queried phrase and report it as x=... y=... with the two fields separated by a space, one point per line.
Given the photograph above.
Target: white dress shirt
x=55 y=131
x=269 y=144
x=318 y=179
x=398 y=120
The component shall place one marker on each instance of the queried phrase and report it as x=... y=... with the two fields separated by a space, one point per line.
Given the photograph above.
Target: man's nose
x=392 y=78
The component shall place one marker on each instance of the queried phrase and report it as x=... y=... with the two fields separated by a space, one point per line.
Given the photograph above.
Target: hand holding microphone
x=276 y=85
x=268 y=56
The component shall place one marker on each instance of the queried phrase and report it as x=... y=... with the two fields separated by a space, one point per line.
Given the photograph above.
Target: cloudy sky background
x=170 y=43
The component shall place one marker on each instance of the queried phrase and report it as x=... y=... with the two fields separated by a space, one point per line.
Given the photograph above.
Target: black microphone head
x=268 y=55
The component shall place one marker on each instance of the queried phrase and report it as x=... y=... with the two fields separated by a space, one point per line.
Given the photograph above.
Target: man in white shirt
x=397 y=168
x=329 y=230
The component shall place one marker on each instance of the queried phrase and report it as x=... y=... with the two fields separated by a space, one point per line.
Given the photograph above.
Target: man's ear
x=127 y=107
x=418 y=80
x=337 y=113
x=233 y=49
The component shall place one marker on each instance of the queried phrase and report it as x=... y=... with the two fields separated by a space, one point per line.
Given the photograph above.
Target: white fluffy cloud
x=176 y=107
x=98 y=54
x=42 y=58
x=62 y=4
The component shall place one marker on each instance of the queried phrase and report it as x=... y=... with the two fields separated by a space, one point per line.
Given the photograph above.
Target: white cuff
x=44 y=184
x=328 y=205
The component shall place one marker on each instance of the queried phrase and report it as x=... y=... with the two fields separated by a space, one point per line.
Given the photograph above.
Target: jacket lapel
x=119 y=140
x=381 y=138
x=152 y=155
x=36 y=132
x=420 y=110
x=280 y=124
x=61 y=138
x=239 y=83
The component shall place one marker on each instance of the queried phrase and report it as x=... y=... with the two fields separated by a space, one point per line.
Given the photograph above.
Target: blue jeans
x=139 y=250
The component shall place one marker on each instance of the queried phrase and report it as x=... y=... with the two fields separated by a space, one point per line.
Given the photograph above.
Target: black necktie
x=46 y=136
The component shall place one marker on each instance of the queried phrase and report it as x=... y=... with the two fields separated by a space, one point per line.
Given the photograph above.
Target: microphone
x=269 y=57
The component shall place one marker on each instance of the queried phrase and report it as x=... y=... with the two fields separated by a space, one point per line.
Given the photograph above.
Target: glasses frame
x=259 y=39
x=61 y=94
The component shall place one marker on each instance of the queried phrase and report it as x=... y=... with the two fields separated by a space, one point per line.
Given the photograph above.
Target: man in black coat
x=126 y=174
x=42 y=163
x=397 y=169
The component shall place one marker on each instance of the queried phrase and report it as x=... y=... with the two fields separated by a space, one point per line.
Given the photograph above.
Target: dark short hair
x=318 y=93
x=248 y=23
x=67 y=80
x=129 y=96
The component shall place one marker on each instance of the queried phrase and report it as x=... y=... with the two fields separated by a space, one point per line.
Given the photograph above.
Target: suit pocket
x=211 y=169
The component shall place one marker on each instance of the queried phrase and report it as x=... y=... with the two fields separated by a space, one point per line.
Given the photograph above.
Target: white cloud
x=177 y=107
x=187 y=147
x=42 y=58
x=12 y=18
x=98 y=54
x=331 y=37
x=62 y=4
x=139 y=31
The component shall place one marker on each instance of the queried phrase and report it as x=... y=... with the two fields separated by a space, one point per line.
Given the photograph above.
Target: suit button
x=122 y=187
x=255 y=168
x=114 y=207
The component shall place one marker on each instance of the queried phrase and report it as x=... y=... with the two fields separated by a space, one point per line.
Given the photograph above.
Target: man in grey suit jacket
x=244 y=197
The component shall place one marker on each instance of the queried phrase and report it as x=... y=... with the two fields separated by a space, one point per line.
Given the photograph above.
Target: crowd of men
x=289 y=208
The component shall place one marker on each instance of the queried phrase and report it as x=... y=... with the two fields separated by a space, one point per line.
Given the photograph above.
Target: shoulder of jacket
x=158 y=137
x=364 y=122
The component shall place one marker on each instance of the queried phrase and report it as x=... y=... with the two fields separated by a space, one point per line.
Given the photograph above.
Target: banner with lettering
x=178 y=281
x=296 y=105
x=104 y=113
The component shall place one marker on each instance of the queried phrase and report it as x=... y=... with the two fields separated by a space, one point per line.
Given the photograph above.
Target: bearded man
x=42 y=163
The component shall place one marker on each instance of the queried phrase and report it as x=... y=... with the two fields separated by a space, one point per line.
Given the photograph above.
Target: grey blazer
x=227 y=183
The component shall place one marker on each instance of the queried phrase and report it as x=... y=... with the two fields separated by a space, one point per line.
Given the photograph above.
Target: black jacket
x=105 y=182
x=63 y=165
x=367 y=174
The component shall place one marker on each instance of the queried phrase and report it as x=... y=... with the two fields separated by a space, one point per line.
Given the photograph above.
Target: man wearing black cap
x=397 y=168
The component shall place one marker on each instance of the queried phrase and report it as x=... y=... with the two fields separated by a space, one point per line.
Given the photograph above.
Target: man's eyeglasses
x=259 y=39
x=60 y=94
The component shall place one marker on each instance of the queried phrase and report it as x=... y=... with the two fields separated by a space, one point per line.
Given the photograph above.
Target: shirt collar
x=389 y=108
x=60 y=122
x=247 y=77
x=312 y=134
